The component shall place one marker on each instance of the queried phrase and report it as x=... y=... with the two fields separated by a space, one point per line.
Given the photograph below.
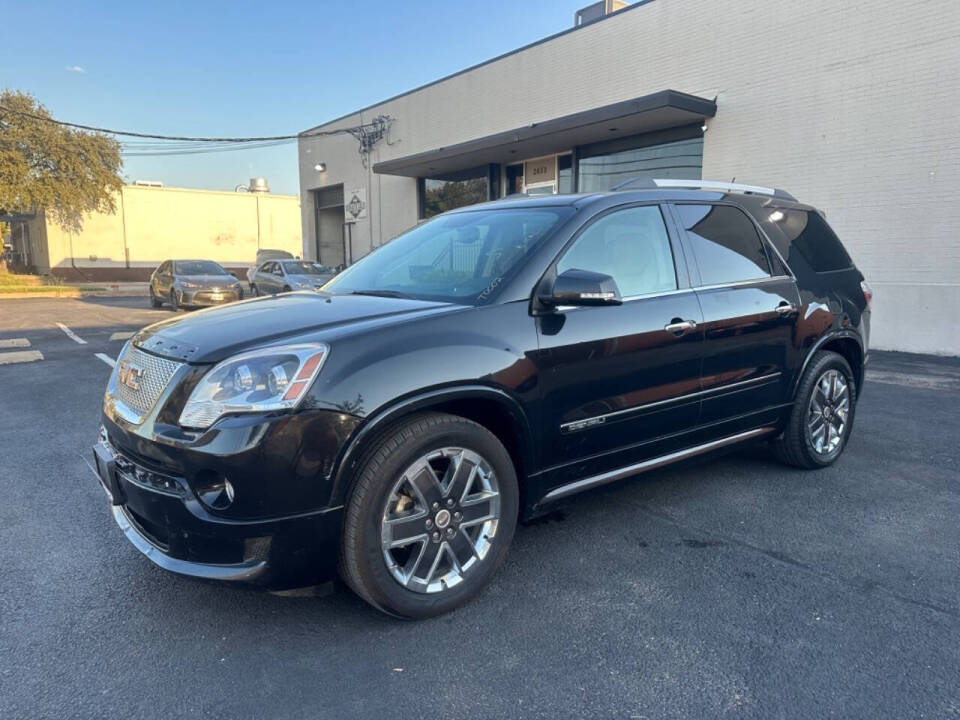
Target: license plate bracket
x=106 y=465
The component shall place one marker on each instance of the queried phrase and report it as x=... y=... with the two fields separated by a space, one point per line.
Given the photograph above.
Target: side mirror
x=579 y=288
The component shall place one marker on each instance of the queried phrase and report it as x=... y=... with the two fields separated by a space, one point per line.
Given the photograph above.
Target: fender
x=830 y=335
x=383 y=416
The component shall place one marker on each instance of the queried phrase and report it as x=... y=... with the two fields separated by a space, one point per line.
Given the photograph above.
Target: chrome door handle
x=785 y=308
x=680 y=327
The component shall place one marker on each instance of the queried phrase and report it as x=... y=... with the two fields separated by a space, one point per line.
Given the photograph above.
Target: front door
x=617 y=380
x=749 y=317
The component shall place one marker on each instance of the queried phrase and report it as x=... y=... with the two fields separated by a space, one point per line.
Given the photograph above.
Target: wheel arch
x=493 y=408
x=846 y=343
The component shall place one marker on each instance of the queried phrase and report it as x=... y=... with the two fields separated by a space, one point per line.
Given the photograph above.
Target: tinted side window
x=631 y=246
x=812 y=237
x=725 y=243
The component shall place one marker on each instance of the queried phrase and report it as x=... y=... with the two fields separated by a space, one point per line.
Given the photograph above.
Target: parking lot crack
x=699 y=538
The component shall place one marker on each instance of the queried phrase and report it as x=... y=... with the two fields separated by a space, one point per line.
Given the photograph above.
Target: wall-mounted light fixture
x=320 y=167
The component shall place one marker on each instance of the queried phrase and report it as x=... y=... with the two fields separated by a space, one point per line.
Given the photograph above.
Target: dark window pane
x=629 y=245
x=682 y=160
x=514 y=179
x=810 y=235
x=466 y=188
x=725 y=243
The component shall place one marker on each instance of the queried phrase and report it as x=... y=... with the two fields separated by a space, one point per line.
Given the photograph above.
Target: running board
x=651 y=464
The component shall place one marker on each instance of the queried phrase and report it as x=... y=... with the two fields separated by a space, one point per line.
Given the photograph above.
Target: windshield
x=197 y=267
x=453 y=257
x=301 y=268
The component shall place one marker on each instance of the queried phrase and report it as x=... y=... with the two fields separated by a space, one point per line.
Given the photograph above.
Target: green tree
x=60 y=170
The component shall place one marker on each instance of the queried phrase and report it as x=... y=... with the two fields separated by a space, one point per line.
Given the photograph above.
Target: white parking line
x=71 y=334
x=14 y=342
x=23 y=356
x=107 y=359
x=121 y=336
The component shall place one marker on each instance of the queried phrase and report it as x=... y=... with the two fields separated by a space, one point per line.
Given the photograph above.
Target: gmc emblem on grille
x=130 y=375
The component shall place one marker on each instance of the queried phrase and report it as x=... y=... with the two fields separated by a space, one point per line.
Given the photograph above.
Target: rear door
x=617 y=380
x=749 y=303
x=266 y=279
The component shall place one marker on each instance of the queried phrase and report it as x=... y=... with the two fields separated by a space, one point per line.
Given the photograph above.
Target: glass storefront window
x=446 y=193
x=682 y=160
x=565 y=174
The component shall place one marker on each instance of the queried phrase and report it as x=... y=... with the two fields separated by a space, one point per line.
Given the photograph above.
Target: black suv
x=469 y=374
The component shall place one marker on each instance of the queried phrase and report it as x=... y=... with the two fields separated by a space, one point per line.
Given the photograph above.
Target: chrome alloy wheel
x=440 y=519
x=828 y=412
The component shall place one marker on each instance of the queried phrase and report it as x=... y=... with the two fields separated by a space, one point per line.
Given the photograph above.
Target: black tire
x=796 y=445
x=286 y=289
x=362 y=563
x=253 y=291
x=155 y=302
x=174 y=304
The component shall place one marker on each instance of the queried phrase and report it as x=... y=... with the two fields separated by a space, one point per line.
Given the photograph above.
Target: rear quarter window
x=810 y=236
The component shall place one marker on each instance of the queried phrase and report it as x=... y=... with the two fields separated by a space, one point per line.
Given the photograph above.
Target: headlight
x=270 y=379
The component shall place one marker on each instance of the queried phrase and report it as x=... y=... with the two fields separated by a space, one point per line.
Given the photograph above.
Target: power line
x=127 y=133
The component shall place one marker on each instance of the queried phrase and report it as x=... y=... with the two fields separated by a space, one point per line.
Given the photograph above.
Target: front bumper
x=279 y=532
x=208 y=298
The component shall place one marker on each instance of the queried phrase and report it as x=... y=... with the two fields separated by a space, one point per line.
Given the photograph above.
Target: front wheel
x=174 y=303
x=155 y=302
x=430 y=517
x=253 y=291
x=822 y=414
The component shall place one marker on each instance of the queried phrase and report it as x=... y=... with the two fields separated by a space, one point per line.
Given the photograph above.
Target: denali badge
x=130 y=374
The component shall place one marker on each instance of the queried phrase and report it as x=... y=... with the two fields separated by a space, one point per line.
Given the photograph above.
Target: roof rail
x=641 y=183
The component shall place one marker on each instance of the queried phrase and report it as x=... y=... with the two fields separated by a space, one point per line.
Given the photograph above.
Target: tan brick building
x=153 y=224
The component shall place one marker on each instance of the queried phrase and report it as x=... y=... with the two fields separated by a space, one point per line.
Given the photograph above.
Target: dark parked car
x=471 y=373
x=193 y=283
x=277 y=276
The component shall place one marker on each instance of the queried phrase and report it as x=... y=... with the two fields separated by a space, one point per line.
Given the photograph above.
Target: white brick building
x=849 y=105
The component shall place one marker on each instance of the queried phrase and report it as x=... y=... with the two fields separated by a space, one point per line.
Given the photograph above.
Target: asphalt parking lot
x=738 y=588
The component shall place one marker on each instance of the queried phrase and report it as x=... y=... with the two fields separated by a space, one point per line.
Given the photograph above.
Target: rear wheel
x=822 y=414
x=430 y=517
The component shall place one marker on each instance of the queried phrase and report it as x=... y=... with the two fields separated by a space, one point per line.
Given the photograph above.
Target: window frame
x=774 y=258
x=676 y=248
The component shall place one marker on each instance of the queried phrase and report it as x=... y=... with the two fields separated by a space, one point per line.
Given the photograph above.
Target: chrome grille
x=150 y=374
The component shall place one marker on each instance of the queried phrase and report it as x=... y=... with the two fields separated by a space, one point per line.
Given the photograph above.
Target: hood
x=208 y=280
x=211 y=335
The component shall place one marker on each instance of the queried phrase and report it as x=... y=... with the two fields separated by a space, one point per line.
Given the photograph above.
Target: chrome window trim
x=741 y=283
x=575 y=425
x=656 y=462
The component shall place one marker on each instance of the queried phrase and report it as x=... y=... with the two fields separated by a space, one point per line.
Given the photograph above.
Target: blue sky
x=239 y=68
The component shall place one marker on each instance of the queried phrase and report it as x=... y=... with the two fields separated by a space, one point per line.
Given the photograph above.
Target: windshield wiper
x=380 y=293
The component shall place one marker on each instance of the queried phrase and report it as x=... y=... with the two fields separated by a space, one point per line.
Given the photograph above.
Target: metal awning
x=658 y=111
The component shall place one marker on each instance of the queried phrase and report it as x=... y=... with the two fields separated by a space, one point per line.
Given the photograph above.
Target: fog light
x=217 y=493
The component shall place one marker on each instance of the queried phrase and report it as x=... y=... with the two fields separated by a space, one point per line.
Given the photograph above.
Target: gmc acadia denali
x=396 y=425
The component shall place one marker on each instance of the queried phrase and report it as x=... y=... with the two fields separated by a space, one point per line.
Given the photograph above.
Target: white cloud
x=75 y=68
